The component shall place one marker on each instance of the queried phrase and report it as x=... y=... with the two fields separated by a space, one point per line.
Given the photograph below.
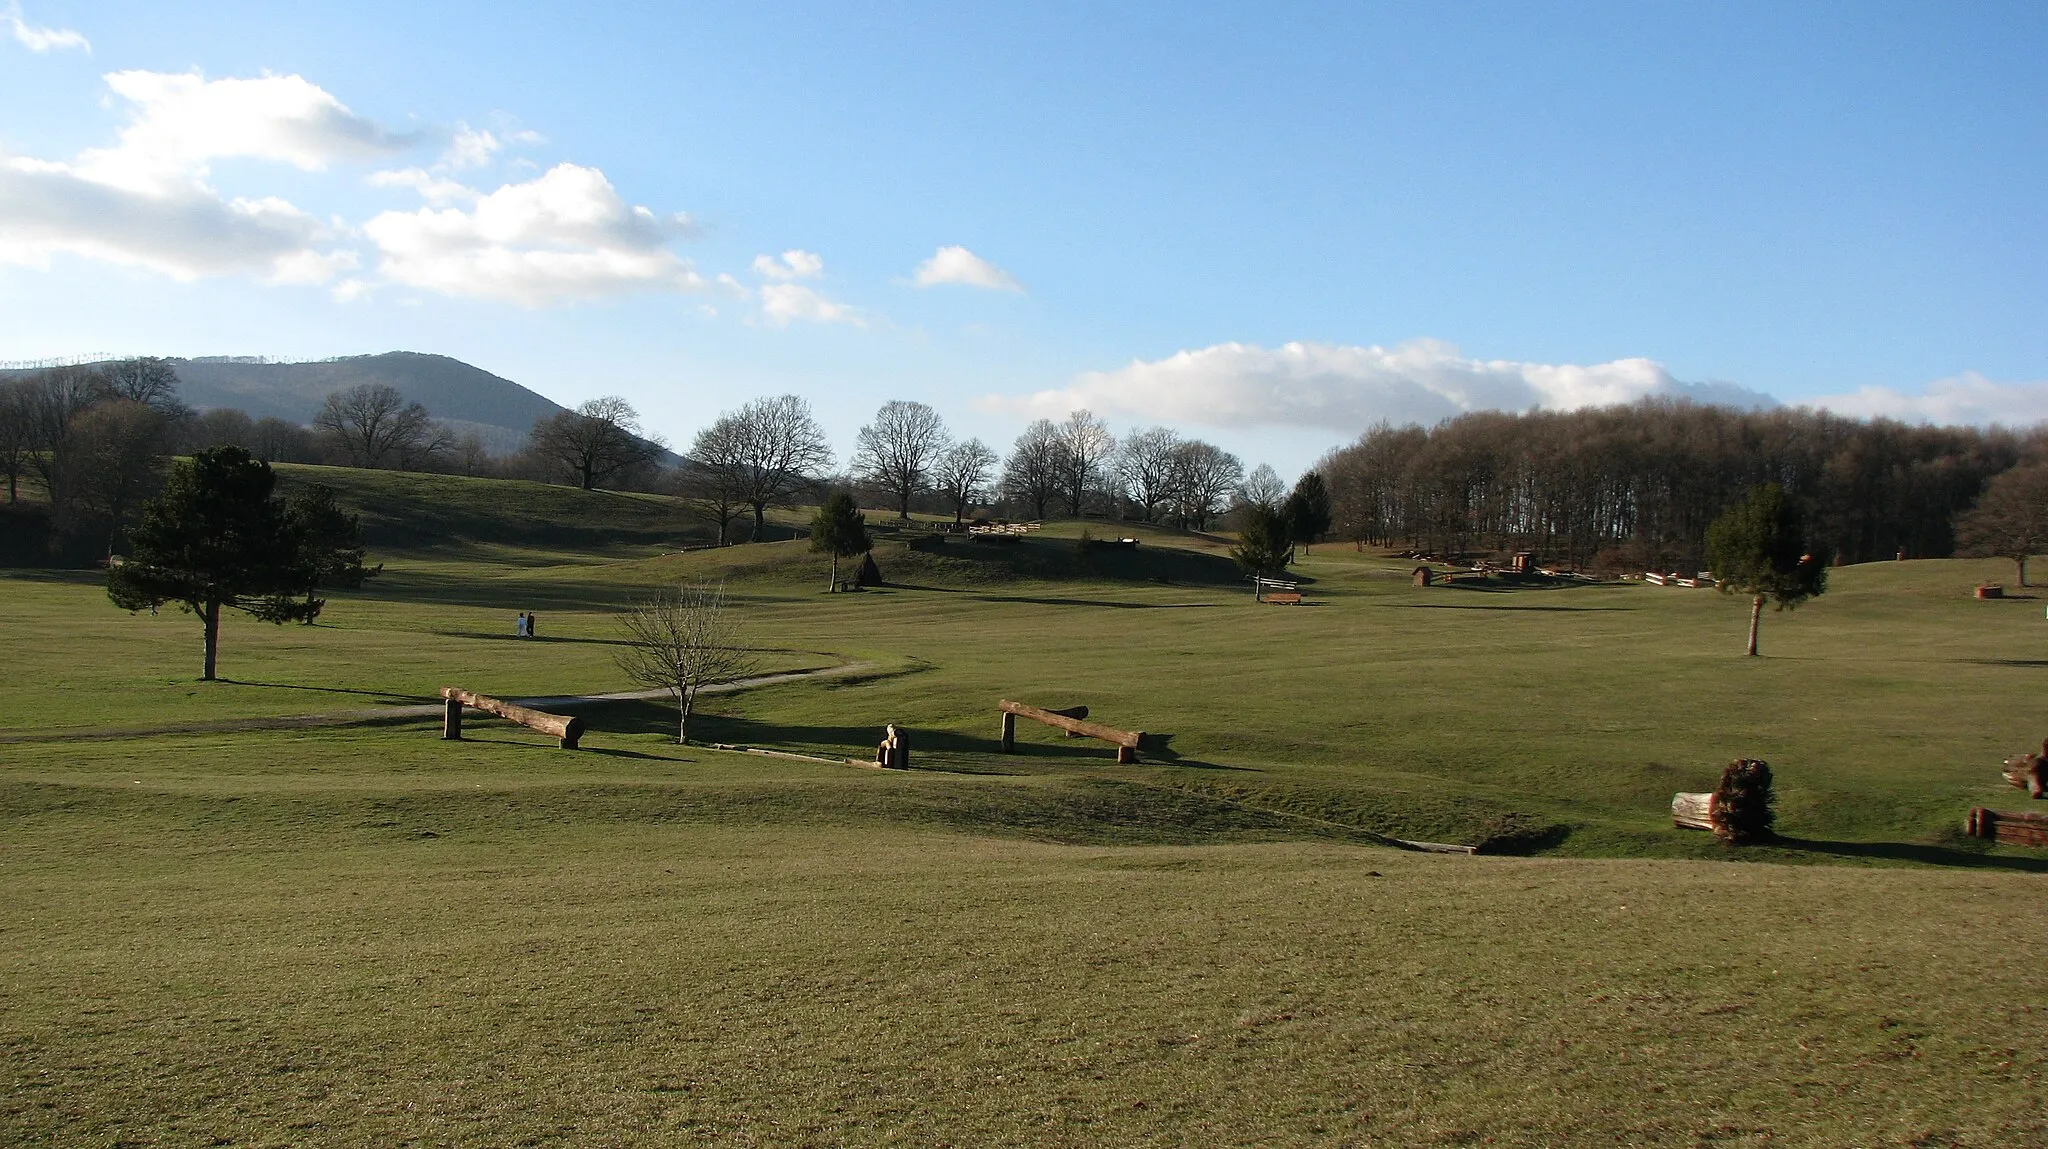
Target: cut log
x=1692 y=811
x=567 y=728
x=2008 y=828
x=1127 y=741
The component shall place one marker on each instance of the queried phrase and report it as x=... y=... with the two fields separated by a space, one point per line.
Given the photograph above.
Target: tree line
x=1636 y=487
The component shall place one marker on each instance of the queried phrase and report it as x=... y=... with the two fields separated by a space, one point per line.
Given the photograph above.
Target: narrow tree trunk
x=211 y=618
x=760 y=519
x=834 y=584
x=1756 y=614
x=683 y=718
x=2023 y=570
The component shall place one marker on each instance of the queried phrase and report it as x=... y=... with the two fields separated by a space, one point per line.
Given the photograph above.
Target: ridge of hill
x=467 y=398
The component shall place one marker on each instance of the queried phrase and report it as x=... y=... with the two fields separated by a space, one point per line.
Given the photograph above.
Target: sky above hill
x=1269 y=226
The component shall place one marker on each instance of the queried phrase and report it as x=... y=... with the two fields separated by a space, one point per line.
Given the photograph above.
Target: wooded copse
x=1636 y=487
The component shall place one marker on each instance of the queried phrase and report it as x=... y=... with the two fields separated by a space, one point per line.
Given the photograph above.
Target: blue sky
x=1266 y=225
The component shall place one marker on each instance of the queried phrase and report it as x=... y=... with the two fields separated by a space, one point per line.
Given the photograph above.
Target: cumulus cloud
x=785 y=302
x=959 y=265
x=795 y=264
x=566 y=235
x=1329 y=386
x=145 y=201
x=1965 y=398
x=184 y=232
x=181 y=121
x=37 y=38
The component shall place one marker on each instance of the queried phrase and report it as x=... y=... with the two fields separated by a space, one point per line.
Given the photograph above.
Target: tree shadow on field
x=1501 y=606
x=392 y=697
x=1914 y=852
x=2005 y=661
x=1101 y=602
x=504 y=636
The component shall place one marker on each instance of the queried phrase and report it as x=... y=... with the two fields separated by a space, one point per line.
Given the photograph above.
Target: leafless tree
x=2010 y=520
x=17 y=435
x=147 y=380
x=1200 y=477
x=1144 y=466
x=682 y=641
x=1086 y=449
x=769 y=450
x=374 y=425
x=275 y=440
x=110 y=461
x=1262 y=488
x=897 y=451
x=471 y=453
x=50 y=401
x=599 y=439
x=220 y=427
x=1036 y=469
x=962 y=474
x=715 y=491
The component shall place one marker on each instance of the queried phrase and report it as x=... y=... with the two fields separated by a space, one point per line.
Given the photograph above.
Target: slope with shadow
x=408 y=510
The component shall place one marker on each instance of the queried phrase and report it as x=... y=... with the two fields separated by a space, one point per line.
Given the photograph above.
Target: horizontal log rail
x=1127 y=741
x=568 y=729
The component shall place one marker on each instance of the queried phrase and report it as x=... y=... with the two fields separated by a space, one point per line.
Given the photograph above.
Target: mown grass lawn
x=367 y=935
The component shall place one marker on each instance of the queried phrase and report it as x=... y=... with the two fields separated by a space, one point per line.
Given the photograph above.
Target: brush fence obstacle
x=1071 y=721
x=567 y=728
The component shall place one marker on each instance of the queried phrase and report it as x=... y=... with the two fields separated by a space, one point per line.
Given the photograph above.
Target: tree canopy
x=1263 y=547
x=2010 y=520
x=1759 y=548
x=841 y=530
x=600 y=439
x=214 y=539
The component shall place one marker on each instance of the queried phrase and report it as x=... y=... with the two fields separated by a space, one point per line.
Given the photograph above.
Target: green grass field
x=362 y=934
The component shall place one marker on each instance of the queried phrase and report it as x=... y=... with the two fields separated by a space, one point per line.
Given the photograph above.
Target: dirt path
x=378 y=714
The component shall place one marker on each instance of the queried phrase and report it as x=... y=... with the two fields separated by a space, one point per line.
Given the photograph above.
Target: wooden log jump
x=1692 y=811
x=567 y=728
x=2009 y=829
x=1126 y=740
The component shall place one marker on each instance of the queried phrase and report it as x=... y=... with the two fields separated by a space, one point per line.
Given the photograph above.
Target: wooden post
x=1009 y=733
x=451 y=720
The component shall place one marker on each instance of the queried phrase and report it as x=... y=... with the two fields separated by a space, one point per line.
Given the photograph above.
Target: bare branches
x=594 y=442
x=897 y=451
x=681 y=641
x=765 y=453
x=374 y=425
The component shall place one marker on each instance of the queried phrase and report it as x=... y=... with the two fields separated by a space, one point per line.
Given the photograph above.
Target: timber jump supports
x=567 y=728
x=1072 y=722
x=2008 y=828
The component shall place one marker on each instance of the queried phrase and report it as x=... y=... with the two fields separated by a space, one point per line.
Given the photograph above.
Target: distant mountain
x=466 y=398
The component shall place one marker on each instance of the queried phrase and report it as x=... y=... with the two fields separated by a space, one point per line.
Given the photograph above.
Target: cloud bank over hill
x=1341 y=387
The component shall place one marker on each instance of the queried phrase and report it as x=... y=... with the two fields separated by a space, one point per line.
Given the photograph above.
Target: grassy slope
x=367 y=935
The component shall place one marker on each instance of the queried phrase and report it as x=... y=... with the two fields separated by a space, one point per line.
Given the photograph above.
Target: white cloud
x=185 y=233
x=37 y=38
x=180 y=121
x=432 y=188
x=784 y=302
x=1340 y=387
x=1965 y=398
x=794 y=264
x=959 y=265
x=563 y=236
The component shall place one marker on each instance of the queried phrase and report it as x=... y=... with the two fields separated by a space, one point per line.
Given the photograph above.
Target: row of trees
x=1637 y=486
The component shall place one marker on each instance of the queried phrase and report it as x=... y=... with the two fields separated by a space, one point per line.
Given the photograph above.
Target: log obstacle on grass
x=1127 y=741
x=567 y=728
x=1692 y=811
x=2007 y=828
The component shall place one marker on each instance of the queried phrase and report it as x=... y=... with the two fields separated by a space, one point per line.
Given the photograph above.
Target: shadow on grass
x=1914 y=852
x=393 y=697
x=498 y=636
x=2005 y=661
x=1101 y=602
x=1501 y=606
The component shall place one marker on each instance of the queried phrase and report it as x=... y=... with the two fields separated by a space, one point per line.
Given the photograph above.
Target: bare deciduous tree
x=897 y=451
x=1086 y=448
x=599 y=439
x=17 y=435
x=373 y=424
x=111 y=461
x=962 y=474
x=768 y=451
x=2010 y=520
x=1144 y=465
x=147 y=380
x=1262 y=488
x=1034 y=471
x=1200 y=477
x=682 y=641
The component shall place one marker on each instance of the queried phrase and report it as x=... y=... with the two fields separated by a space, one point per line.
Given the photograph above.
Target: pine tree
x=1759 y=548
x=214 y=539
x=840 y=529
x=1307 y=510
x=1263 y=546
x=330 y=543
